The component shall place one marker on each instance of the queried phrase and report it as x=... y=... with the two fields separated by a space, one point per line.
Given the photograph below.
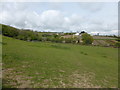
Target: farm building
x=79 y=35
x=67 y=36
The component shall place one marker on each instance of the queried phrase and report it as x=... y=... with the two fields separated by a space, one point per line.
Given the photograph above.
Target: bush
x=117 y=44
x=87 y=38
x=68 y=40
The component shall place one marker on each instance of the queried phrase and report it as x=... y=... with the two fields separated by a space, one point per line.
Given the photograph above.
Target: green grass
x=58 y=65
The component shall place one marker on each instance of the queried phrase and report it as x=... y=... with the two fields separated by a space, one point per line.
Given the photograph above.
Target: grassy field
x=52 y=65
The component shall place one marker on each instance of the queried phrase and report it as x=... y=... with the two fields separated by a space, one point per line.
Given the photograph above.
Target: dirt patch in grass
x=75 y=80
x=84 y=80
x=15 y=80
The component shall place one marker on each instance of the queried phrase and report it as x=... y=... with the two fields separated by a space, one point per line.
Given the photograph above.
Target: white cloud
x=53 y=20
x=93 y=7
x=59 y=0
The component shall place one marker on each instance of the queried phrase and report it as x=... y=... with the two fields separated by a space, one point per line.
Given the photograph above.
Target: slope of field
x=52 y=65
x=103 y=37
x=104 y=41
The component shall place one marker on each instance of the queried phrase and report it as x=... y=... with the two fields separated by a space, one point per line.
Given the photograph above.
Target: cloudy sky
x=93 y=17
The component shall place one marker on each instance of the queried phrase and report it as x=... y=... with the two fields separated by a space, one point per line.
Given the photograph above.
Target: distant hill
x=30 y=35
x=21 y=34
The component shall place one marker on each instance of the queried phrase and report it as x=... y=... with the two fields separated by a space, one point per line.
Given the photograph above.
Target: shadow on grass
x=83 y=53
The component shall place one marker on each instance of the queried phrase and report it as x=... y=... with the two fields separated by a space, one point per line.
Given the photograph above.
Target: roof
x=77 y=34
x=67 y=36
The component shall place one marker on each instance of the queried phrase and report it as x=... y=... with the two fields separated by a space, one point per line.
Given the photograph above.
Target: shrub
x=117 y=44
x=87 y=38
x=68 y=40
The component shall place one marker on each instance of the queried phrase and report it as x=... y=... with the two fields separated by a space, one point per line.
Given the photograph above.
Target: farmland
x=58 y=65
x=104 y=41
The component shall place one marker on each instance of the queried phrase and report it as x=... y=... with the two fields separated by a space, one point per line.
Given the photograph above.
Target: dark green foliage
x=68 y=40
x=9 y=31
x=83 y=32
x=87 y=38
x=57 y=40
x=69 y=33
x=83 y=53
x=105 y=56
x=28 y=35
x=56 y=36
x=0 y=29
x=118 y=39
x=117 y=44
x=22 y=34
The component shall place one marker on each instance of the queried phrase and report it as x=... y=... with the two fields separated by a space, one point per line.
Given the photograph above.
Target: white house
x=77 y=34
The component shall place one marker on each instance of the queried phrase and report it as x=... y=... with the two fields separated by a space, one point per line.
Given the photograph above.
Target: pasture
x=57 y=65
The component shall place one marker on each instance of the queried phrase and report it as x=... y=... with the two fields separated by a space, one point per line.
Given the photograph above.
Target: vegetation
x=19 y=34
x=29 y=35
x=57 y=65
x=117 y=44
x=48 y=64
x=87 y=39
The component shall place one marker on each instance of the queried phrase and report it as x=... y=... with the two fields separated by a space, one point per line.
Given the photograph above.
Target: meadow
x=57 y=65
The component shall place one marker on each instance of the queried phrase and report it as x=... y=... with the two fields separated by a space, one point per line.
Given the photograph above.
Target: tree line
x=19 y=33
x=29 y=35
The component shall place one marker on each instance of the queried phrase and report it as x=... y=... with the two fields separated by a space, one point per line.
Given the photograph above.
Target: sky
x=92 y=17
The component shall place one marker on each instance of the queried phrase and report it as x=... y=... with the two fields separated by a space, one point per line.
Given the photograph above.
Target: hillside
x=52 y=65
x=30 y=35
x=105 y=41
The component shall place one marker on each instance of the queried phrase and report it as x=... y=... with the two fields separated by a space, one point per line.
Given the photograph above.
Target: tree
x=68 y=40
x=87 y=38
x=9 y=31
x=117 y=44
